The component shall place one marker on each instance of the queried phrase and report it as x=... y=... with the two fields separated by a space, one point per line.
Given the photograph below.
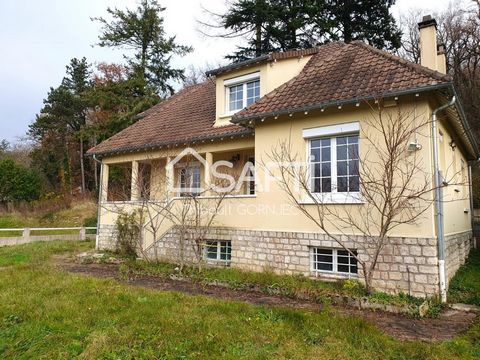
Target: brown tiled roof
x=342 y=73
x=187 y=116
x=337 y=73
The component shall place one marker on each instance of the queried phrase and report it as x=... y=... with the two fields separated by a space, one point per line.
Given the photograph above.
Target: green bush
x=90 y=222
x=128 y=234
x=18 y=183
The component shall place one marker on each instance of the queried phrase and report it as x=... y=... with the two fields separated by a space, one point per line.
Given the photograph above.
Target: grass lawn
x=270 y=283
x=465 y=286
x=50 y=314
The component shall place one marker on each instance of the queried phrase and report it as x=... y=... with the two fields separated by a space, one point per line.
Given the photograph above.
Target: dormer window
x=242 y=91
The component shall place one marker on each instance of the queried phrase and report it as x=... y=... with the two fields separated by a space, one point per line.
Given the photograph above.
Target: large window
x=334 y=164
x=334 y=261
x=189 y=178
x=218 y=251
x=242 y=91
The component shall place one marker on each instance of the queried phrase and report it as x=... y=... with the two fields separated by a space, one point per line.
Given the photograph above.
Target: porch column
x=134 y=189
x=208 y=166
x=169 y=179
x=103 y=196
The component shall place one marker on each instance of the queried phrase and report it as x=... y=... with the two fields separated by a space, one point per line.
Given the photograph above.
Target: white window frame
x=334 y=263
x=332 y=132
x=240 y=80
x=190 y=166
x=219 y=249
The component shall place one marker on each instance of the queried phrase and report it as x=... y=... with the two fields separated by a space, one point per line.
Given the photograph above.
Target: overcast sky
x=38 y=38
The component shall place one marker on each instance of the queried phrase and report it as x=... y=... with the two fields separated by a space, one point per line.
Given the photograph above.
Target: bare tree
x=459 y=32
x=196 y=210
x=156 y=206
x=395 y=186
x=410 y=48
x=197 y=74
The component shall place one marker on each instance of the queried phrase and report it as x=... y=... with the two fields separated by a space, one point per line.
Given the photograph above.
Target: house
x=317 y=99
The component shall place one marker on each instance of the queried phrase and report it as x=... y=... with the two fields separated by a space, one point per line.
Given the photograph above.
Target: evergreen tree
x=251 y=19
x=142 y=31
x=367 y=20
x=59 y=127
x=18 y=183
x=51 y=131
x=269 y=25
x=116 y=97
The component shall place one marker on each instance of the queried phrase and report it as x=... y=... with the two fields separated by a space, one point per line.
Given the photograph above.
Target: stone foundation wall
x=106 y=237
x=457 y=248
x=407 y=265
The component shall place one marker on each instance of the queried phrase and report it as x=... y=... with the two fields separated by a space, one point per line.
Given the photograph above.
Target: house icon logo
x=190 y=168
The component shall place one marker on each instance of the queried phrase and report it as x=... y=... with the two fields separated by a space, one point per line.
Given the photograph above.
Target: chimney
x=441 y=59
x=431 y=54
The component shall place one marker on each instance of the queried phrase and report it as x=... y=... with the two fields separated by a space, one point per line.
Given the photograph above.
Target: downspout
x=472 y=215
x=99 y=200
x=439 y=202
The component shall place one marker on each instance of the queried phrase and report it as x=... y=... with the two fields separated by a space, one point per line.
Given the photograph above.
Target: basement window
x=218 y=251
x=337 y=261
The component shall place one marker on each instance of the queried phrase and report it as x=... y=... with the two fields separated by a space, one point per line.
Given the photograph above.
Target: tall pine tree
x=58 y=129
x=269 y=25
x=366 y=20
x=141 y=30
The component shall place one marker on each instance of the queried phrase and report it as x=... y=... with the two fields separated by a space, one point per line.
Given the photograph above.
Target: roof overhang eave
x=342 y=102
x=237 y=65
x=157 y=146
x=466 y=126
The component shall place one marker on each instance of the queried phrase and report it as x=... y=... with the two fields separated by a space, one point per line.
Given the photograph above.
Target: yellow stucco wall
x=271 y=210
x=456 y=195
x=272 y=75
x=271 y=132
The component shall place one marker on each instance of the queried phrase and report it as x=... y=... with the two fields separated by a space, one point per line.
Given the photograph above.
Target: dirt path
x=444 y=327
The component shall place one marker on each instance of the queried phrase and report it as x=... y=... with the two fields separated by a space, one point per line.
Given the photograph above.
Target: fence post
x=83 y=233
x=26 y=235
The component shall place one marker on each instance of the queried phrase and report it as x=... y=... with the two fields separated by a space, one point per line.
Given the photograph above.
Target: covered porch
x=158 y=177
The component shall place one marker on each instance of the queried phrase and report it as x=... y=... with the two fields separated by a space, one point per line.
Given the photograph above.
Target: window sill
x=217 y=197
x=228 y=115
x=334 y=198
x=332 y=275
x=223 y=263
x=127 y=202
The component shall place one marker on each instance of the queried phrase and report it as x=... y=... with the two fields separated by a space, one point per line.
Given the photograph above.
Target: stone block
x=393 y=275
x=415 y=250
x=427 y=269
x=421 y=279
x=429 y=251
